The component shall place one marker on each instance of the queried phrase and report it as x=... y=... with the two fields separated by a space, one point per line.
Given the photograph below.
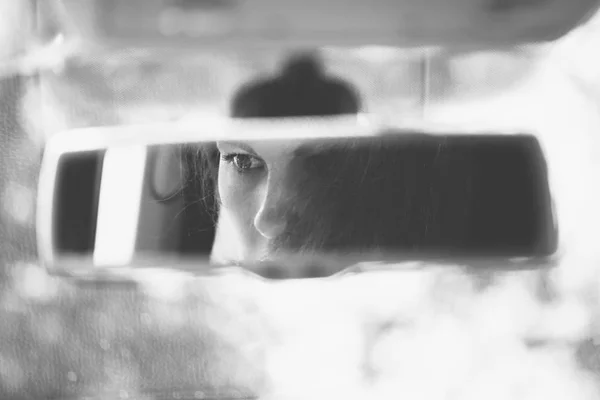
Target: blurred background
x=126 y=90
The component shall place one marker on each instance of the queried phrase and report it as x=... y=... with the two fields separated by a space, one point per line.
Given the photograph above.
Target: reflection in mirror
x=412 y=194
x=399 y=195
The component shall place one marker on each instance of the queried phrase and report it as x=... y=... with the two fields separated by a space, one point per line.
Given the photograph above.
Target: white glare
x=33 y=282
x=119 y=205
x=377 y=54
x=18 y=202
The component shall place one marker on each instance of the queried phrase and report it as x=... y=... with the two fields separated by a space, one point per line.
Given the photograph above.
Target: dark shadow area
x=76 y=199
x=199 y=215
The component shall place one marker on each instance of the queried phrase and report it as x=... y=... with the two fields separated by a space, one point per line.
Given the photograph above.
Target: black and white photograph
x=299 y=200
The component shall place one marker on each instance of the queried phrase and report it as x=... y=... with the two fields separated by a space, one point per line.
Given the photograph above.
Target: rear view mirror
x=391 y=194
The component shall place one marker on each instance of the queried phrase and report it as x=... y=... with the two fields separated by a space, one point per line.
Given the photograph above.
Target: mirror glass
x=398 y=195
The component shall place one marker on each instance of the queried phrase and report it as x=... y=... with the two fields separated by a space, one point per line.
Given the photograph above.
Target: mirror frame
x=125 y=137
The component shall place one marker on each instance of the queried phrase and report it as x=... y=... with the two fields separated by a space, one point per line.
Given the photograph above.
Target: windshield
x=241 y=199
x=226 y=159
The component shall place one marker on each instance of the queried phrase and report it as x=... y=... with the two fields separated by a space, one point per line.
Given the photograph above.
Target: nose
x=272 y=217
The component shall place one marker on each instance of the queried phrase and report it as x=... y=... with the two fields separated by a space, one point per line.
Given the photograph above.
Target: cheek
x=239 y=195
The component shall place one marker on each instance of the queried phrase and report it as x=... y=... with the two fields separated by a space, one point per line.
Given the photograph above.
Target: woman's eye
x=243 y=162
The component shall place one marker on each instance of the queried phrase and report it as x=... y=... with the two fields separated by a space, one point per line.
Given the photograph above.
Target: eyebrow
x=241 y=145
x=303 y=151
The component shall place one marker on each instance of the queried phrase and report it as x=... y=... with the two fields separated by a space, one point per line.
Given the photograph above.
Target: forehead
x=282 y=148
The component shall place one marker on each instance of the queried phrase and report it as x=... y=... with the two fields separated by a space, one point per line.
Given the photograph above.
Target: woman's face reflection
x=254 y=190
x=283 y=198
